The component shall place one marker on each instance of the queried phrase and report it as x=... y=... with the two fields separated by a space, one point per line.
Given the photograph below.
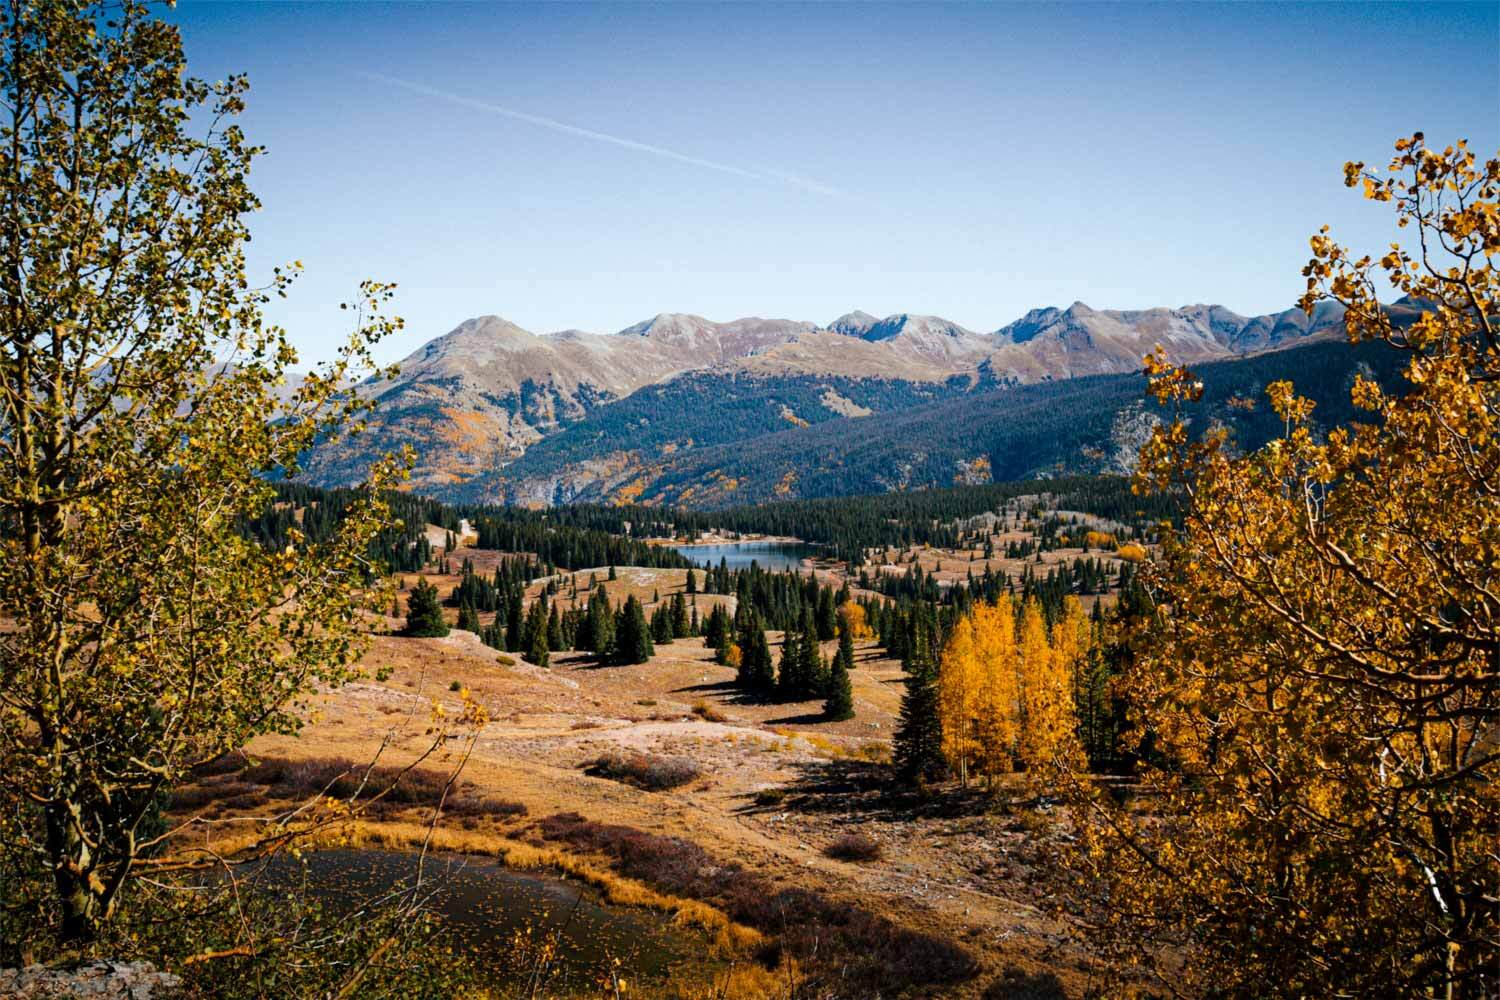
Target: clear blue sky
x=590 y=166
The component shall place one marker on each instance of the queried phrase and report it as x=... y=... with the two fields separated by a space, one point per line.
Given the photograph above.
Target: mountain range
x=499 y=414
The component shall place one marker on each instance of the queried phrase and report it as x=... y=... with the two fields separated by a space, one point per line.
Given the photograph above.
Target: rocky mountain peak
x=853 y=324
x=914 y=326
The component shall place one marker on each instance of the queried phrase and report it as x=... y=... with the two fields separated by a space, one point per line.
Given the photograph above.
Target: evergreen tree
x=600 y=623
x=494 y=635
x=789 y=673
x=536 y=621
x=424 y=617
x=756 y=672
x=612 y=571
x=845 y=656
x=692 y=582
x=918 y=750
x=763 y=676
x=555 y=629
x=716 y=628
x=468 y=618
x=537 y=651
x=814 y=672
x=661 y=625
x=840 y=703
x=513 y=623
x=633 y=636
x=681 y=627
x=827 y=614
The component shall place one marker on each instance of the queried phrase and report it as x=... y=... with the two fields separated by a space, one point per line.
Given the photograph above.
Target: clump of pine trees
x=424 y=615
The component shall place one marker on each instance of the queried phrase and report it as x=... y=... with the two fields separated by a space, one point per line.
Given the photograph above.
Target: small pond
x=772 y=556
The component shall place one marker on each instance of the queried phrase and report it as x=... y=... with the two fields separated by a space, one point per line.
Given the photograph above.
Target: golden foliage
x=852 y=615
x=1007 y=700
x=1321 y=681
x=1100 y=540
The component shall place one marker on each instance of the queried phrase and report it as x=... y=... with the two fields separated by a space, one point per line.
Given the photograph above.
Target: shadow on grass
x=805 y=719
x=870 y=790
x=727 y=687
x=1014 y=984
x=732 y=694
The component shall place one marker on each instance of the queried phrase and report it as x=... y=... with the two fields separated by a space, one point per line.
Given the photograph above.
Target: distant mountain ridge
x=475 y=400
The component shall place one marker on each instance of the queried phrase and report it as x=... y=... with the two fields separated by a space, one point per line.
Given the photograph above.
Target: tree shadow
x=731 y=693
x=805 y=719
x=705 y=688
x=1014 y=984
x=868 y=789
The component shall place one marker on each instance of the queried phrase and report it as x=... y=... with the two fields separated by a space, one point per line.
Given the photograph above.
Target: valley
x=768 y=781
x=1066 y=652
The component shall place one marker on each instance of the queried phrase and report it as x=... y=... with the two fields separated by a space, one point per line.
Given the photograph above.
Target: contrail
x=614 y=140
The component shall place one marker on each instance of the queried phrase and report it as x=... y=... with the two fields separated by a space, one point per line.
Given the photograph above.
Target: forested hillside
x=608 y=454
x=1091 y=424
x=713 y=441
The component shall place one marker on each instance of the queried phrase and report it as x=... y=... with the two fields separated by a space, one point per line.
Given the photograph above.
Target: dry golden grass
x=728 y=938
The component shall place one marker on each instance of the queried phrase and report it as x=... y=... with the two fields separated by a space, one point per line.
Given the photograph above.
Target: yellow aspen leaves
x=1005 y=693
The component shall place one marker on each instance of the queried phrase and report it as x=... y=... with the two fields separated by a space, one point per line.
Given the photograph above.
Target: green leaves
x=139 y=421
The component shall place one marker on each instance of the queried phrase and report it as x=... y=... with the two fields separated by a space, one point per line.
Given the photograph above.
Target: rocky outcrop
x=104 y=980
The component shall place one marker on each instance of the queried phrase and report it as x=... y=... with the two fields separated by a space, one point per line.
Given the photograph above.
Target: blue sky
x=589 y=166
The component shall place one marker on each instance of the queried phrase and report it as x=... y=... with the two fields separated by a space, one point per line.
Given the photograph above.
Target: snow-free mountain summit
x=475 y=401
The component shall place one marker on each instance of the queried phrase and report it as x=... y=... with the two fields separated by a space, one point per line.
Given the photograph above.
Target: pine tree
x=612 y=571
x=827 y=615
x=692 y=582
x=918 y=750
x=633 y=636
x=716 y=628
x=555 y=629
x=599 y=624
x=756 y=671
x=513 y=623
x=763 y=677
x=536 y=621
x=845 y=656
x=424 y=617
x=814 y=672
x=661 y=625
x=537 y=651
x=468 y=618
x=789 y=671
x=840 y=702
x=681 y=627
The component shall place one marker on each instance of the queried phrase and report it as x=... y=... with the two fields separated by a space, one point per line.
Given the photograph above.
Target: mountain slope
x=1081 y=425
x=475 y=402
x=480 y=395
